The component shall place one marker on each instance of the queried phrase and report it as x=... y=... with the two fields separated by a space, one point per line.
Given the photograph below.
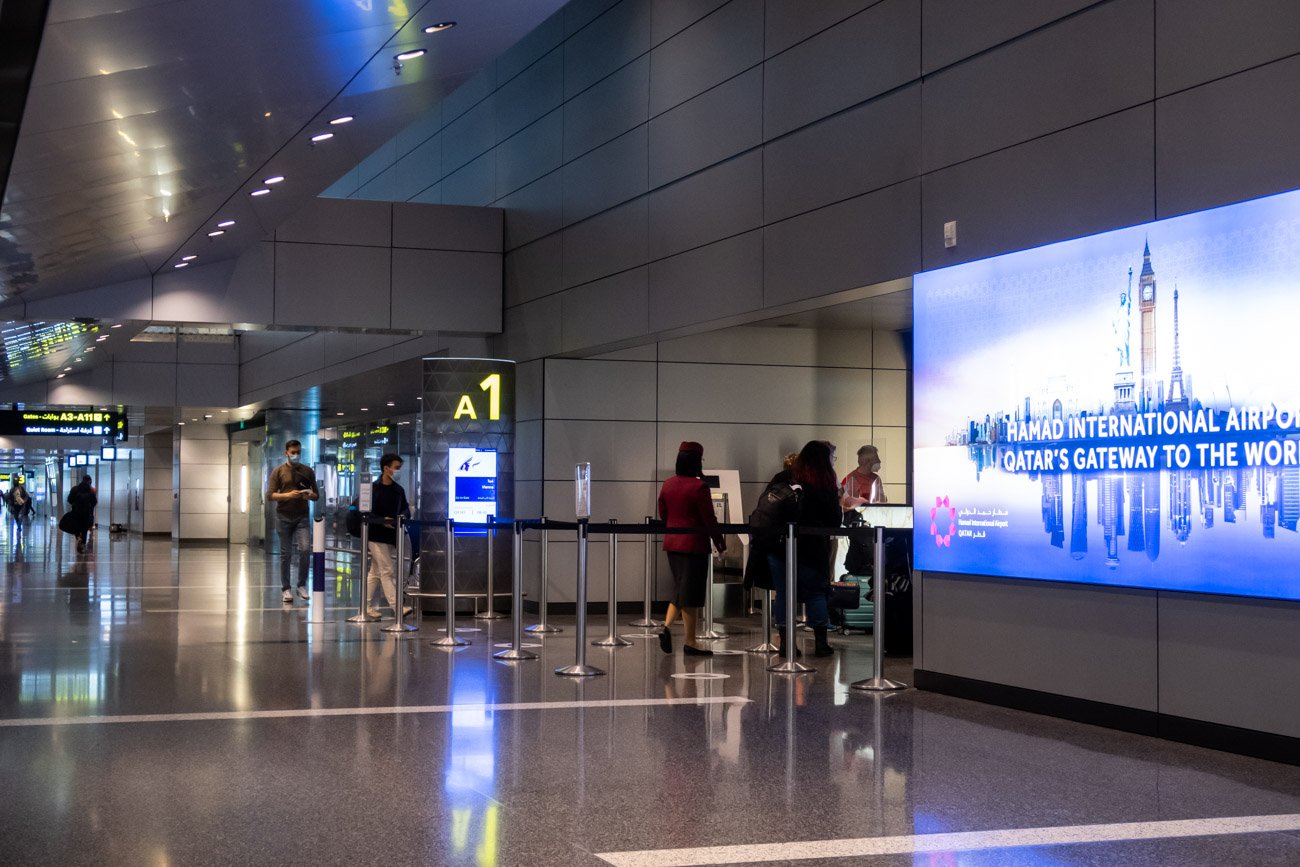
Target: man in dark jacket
x=387 y=502
x=82 y=501
x=292 y=487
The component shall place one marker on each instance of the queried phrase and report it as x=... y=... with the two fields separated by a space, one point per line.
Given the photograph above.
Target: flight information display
x=62 y=422
x=471 y=485
x=1118 y=409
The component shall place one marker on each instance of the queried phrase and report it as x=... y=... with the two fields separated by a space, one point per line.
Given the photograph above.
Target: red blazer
x=685 y=502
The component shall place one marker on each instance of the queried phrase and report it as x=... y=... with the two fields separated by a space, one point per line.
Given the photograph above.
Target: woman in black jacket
x=82 y=500
x=819 y=506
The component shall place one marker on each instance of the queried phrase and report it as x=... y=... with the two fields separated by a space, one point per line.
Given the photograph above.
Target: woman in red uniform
x=684 y=501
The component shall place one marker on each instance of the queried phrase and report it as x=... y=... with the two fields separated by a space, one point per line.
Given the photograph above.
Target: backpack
x=777 y=506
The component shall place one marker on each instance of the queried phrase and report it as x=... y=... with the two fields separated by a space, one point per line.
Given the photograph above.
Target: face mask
x=875 y=468
x=395 y=474
x=294 y=459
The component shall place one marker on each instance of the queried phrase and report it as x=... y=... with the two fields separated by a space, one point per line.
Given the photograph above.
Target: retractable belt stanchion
x=451 y=639
x=363 y=604
x=580 y=667
x=399 y=624
x=491 y=613
x=790 y=666
x=516 y=651
x=646 y=621
x=766 y=645
x=542 y=627
x=612 y=639
x=318 y=570
x=706 y=629
x=878 y=682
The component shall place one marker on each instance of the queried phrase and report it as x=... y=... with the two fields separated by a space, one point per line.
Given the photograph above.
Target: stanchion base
x=363 y=618
x=646 y=624
x=612 y=641
x=788 y=667
x=449 y=641
x=540 y=629
x=490 y=615
x=513 y=654
x=877 y=684
x=711 y=635
x=400 y=627
x=765 y=647
x=578 y=671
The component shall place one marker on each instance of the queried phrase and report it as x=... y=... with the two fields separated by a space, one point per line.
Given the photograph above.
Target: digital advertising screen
x=471 y=485
x=1120 y=409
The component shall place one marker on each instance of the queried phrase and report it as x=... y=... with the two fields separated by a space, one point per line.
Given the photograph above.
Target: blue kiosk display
x=1120 y=409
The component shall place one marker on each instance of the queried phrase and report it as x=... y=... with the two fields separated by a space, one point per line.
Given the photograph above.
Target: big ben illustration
x=1147 y=306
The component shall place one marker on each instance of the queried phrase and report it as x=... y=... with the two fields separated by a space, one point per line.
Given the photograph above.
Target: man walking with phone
x=292 y=487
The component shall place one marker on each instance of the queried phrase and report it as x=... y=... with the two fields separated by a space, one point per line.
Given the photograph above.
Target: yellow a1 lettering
x=492 y=385
x=465 y=407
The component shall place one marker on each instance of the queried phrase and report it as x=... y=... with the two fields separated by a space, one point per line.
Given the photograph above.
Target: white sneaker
x=287 y=598
x=374 y=613
x=302 y=591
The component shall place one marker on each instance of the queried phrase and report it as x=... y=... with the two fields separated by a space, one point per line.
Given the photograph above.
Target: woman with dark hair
x=684 y=501
x=82 y=500
x=819 y=506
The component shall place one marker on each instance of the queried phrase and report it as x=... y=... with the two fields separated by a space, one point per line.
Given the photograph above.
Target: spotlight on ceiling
x=225 y=224
x=262 y=192
x=189 y=258
x=274 y=179
x=338 y=121
x=323 y=136
x=181 y=265
x=411 y=55
x=440 y=26
x=216 y=233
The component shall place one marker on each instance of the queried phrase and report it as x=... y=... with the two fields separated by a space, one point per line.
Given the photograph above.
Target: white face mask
x=293 y=459
x=875 y=468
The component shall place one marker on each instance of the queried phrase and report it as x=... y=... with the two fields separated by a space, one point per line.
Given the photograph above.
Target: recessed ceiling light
x=261 y=192
x=365 y=409
x=225 y=224
x=268 y=114
x=164 y=192
x=89 y=349
x=181 y=423
x=440 y=26
x=347 y=118
x=216 y=233
x=66 y=369
x=78 y=360
x=412 y=54
x=225 y=410
x=274 y=179
x=324 y=136
x=338 y=413
x=117 y=325
x=182 y=265
x=189 y=258
x=391 y=403
x=60 y=376
x=101 y=339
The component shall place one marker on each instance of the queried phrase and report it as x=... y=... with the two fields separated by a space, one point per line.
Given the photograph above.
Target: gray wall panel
x=859 y=242
x=601 y=390
x=1073 y=71
x=360 y=224
x=710 y=128
x=533 y=211
x=318 y=284
x=439 y=290
x=716 y=48
x=478 y=88
x=721 y=279
x=860 y=150
x=955 y=29
x=527 y=51
x=809 y=395
x=472 y=184
x=716 y=203
x=467 y=137
x=608 y=109
x=1237 y=156
x=606 y=310
x=1251 y=645
x=610 y=242
x=1083 y=180
x=531 y=153
x=1199 y=40
x=1086 y=642
x=447 y=228
x=614 y=39
x=609 y=175
x=790 y=22
x=534 y=92
x=579 y=13
x=420 y=168
x=617 y=450
x=670 y=17
x=533 y=329
x=534 y=270
x=832 y=71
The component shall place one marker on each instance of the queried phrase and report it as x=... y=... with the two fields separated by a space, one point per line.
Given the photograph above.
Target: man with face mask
x=862 y=487
x=292 y=487
x=387 y=502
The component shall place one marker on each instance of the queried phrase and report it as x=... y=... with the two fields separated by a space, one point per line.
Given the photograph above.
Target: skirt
x=690 y=578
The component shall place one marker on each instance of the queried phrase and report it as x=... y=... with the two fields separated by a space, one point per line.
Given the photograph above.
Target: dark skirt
x=690 y=578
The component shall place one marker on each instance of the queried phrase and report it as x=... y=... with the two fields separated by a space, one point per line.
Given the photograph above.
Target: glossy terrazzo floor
x=144 y=629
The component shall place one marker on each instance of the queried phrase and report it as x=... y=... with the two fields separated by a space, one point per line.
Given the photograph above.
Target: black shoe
x=695 y=651
x=822 y=646
x=784 y=638
x=665 y=640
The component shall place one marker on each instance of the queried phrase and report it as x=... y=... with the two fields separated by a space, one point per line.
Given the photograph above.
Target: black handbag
x=846 y=594
x=69 y=524
x=757 y=572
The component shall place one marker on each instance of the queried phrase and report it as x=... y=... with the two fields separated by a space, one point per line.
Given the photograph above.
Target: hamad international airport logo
x=944 y=513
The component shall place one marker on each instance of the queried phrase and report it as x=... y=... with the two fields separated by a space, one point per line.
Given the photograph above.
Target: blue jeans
x=294 y=533
x=810 y=589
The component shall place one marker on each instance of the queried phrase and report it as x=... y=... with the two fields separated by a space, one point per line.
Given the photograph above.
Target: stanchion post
x=516 y=651
x=766 y=645
x=399 y=624
x=318 y=571
x=612 y=639
x=790 y=665
x=878 y=682
x=363 y=604
x=542 y=627
x=706 y=631
x=646 y=621
x=580 y=667
x=491 y=613
x=451 y=639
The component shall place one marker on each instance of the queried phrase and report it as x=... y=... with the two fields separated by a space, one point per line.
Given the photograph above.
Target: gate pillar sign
x=467 y=465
